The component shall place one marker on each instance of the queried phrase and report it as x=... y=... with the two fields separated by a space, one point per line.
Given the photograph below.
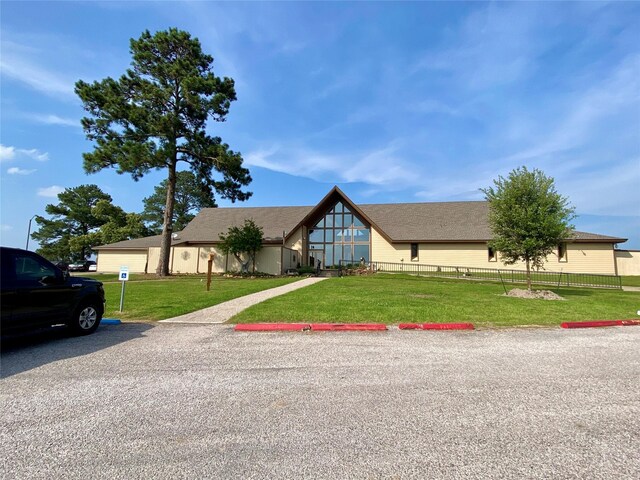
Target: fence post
x=502 y=281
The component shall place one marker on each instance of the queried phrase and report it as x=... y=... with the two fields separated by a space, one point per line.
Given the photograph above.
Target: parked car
x=64 y=266
x=81 y=266
x=36 y=294
x=93 y=267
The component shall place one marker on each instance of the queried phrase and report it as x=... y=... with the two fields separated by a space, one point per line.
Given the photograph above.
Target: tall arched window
x=339 y=235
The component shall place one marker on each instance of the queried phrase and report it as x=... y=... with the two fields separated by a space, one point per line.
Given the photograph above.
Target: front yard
x=383 y=298
x=394 y=299
x=152 y=298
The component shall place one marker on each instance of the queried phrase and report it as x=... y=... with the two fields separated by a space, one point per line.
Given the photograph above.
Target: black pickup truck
x=37 y=294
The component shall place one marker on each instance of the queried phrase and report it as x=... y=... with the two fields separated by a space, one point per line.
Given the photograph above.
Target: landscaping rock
x=537 y=294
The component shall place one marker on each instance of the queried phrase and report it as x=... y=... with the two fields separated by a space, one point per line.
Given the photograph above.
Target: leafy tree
x=189 y=199
x=155 y=116
x=72 y=217
x=529 y=219
x=243 y=241
x=117 y=225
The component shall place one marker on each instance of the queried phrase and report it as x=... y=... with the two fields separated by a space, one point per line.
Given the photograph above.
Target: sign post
x=209 y=268
x=123 y=277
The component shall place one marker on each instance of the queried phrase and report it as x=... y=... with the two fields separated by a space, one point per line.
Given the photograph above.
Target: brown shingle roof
x=442 y=221
x=211 y=222
x=400 y=222
x=138 y=243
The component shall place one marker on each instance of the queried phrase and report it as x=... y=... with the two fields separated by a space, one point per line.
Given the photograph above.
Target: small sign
x=124 y=274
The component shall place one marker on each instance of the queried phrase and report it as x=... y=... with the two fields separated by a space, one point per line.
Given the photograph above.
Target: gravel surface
x=222 y=312
x=537 y=294
x=202 y=401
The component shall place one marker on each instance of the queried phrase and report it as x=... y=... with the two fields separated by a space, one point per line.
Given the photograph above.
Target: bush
x=248 y=275
x=306 y=270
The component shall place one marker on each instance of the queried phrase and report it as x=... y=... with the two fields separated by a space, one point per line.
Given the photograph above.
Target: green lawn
x=399 y=298
x=157 y=299
x=631 y=281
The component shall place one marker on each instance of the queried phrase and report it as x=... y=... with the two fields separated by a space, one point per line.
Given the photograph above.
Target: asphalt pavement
x=176 y=401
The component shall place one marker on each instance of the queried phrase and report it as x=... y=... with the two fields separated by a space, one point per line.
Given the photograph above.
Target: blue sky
x=393 y=102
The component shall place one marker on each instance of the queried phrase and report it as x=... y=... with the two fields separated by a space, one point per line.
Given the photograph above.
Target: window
x=341 y=235
x=414 y=252
x=562 y=252
x=493 y=257
x=30 y=270
x=316 y=236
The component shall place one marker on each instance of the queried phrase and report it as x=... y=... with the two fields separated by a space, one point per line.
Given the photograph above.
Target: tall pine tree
x=155 y=116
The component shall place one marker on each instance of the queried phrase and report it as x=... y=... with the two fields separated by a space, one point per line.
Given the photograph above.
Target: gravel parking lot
x=193 y=401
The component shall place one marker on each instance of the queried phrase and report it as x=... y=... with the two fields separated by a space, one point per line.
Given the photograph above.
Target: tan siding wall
x=628 y=262
x=154 y=258
x=219 y=260
x=269 y=260
x=295 y=241
x=190 y=259
x=290 y=258
x=586 y=258
x=581 y=257
x=185 y=260
x=383 y=251
x=111 y=261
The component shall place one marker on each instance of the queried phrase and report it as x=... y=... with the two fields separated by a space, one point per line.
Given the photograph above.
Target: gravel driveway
x=201 y=401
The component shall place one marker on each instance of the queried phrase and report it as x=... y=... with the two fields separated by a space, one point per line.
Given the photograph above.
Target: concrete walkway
x=224 y=311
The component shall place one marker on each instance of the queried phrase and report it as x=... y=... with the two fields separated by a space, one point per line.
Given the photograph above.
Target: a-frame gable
x=334 y=196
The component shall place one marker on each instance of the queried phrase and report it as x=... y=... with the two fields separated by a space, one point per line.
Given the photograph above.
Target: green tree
x=245 y=240
x=190 y=198
x=155 y=116
x=117 y=225
x=72 y=217
x=529 y=219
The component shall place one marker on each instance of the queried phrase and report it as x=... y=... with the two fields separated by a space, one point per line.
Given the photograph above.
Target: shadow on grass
x=22 y=353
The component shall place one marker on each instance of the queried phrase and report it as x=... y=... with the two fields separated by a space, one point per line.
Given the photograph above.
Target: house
x=336 y=229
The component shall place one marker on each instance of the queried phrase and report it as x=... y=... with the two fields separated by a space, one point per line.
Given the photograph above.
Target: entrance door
x=316 y=259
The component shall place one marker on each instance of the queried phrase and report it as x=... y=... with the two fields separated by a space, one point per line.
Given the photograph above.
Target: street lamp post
x=29 y=232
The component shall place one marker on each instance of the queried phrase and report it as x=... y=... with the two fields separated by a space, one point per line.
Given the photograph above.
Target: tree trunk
x=244 y=266
x=528 y=275
x=167 y=229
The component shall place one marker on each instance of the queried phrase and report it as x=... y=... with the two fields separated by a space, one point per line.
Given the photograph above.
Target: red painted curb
x=629 y=323
x=410 y=326
x=599 y=323
x=436 y=326
x=342 y=327
x=447 y=326
x=272 y=327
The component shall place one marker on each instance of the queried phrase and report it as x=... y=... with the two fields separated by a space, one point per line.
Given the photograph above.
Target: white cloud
x=18 y=63
x=35 y=154
x=19 y=171
x=7 y=153
x=5 y=228
x=496 y=45
x=50 y=119
x=382 y=167
x=10 y=153
x=50 y=192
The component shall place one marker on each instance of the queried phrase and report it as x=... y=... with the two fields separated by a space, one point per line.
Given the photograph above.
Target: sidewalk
x=224 y=311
